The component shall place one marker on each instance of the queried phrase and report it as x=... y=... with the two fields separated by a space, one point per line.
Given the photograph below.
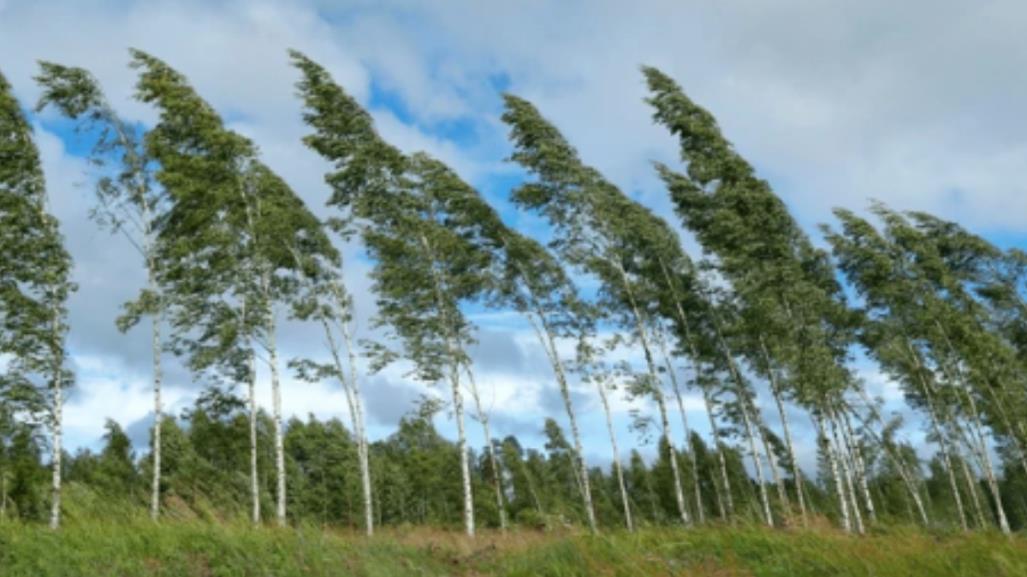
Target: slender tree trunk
x=254 y=480
x=699 y=513
x=971 y=489
x=455 y=362
x=465 y=467
x=775 y=390
x=936 y=428
x=987 y=468
x=859 y=466
x=726 y=508
x=350 y=385
x=743 y=403
x=545 y=334
x=56 y=438
x=844 y=459
x=158 y=413
x=974 y=452
x=978 y=435
x=843 y=501
x=740 y=394
x=357 y=416
x=683 y=320
x=617 y=467
x=968 y=477
x=725 y=502
x=661 y=405
x=483 y=418
x=953 y=485
x=782 y=494
x=279 y=432
x=57 y=416
x=1014 y=433
x=896 y=459
x=914 y=492
x=640 y=325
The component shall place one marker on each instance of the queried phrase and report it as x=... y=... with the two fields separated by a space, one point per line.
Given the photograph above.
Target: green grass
x=187 y=549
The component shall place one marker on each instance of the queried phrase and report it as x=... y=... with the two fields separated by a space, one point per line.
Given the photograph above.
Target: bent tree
x=927 y=328
x=408 y=214
x=225 y=246
x=587 y=215
x=127 y=202
x=35 y=283
x=325 y=300
x=798 y=327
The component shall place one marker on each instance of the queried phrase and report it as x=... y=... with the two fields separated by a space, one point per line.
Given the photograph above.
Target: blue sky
x=917 y=104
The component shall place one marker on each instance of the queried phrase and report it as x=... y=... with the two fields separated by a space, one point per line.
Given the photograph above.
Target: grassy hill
x=187 y=549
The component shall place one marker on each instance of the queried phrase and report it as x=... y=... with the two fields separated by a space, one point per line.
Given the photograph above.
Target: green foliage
x=34 y=271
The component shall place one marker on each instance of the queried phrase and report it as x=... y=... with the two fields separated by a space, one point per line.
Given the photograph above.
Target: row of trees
x=229 y=250
x=206 y=476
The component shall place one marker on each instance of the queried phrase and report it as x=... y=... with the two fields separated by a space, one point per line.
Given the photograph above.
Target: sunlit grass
x=201 y=548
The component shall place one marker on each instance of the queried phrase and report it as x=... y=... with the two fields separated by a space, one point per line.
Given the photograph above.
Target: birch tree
x=907 y=283
x=127 y=202
x=225 y=245
x=407 y=210
x=327 y=302
x=587 y=215
x=800 y=326
x=534 y=284
x=34 y=286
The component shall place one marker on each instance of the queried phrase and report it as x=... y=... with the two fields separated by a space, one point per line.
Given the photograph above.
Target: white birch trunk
x=982 y=448
x=276 y=407
x=683 y=319
x=775 y=390
x=254 y=480
x=640 y=325
x=949 y=467
x=942 y=439
x=860 y=467
x=454 y=379
x=844 y=459
x=56 y=438
x=665 y=425
x=158 y=413
x=483 y=418
x=465 y=468
x=725 y=502
x=896 y=459
x=843 y=501
x=971 y=488
x=914 y=493
x=699 y=513
x=757 y=465
x=357 y=417
x=740 y=394
x=363 y=456
x=988 y=468
x=782 y=494
x=545 y=335
x=617 y=467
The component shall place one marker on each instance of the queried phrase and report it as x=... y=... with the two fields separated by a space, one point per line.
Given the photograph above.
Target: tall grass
x=196 y=548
